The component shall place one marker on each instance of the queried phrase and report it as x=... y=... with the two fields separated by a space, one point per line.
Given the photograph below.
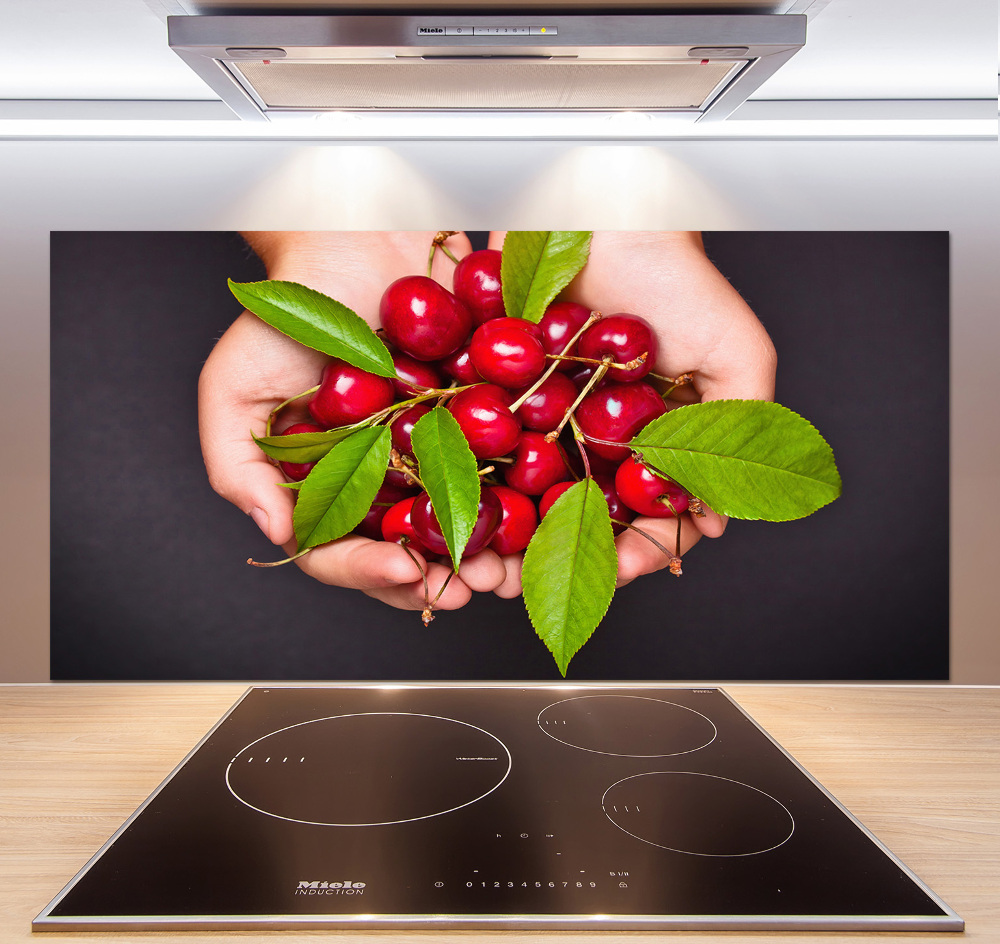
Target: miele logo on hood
x=330 y=888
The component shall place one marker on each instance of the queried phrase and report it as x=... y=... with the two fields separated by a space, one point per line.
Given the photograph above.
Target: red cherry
x=550 y=496
x=371 y=525
x=297 y=471
x=396 y=525
x=544 y=409
x=423 y=319
x=648 y=493
x=538 y=465
x=402 y=427
x=598 y=464
x=622 y=337
x=413 y=376
x=520 y=518
x=477 y=283
x=559 y=323
x=483 y=414
x=506 y=351
x=459 y=367
x=531 y=327
x=616 y=412
x=348 y=394
x=620 y=515
x=428 y=531
x=580 y=374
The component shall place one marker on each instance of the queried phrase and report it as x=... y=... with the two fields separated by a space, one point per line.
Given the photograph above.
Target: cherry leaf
x=317 y=321
x=536 y=266
x=748 y=459
x=450 y=475
x=569 y=571
x=303 y=447
x=341 y=487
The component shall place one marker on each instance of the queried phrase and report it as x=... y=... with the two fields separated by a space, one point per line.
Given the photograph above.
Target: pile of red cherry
x=485 y=368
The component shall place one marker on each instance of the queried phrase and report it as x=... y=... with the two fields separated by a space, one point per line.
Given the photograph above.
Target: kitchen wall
x=848 y=185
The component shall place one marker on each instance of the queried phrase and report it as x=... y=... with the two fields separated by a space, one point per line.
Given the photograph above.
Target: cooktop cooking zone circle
x=627 y=726
x=699 y=814
x=370 y=769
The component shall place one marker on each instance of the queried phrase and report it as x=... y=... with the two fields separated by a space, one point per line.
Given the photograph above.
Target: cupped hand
x=253 y=368
x=703 y=326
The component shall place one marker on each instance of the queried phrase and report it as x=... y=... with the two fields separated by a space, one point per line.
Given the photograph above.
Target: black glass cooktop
x=526 y=807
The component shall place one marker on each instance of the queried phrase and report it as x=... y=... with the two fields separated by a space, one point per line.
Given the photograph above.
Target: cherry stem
x=396 y=461
x=578 y=437
x=487 y=470
x=403 y=543
x=428 y=614
x=598 y=374
x=403 y=405
x=281 y=406
x=438 y=243
x=519 y=402
x=675 y=559
x=287 y=560
x=680 y=381
x=696 y=507
x=444 y=586
x=628 y=365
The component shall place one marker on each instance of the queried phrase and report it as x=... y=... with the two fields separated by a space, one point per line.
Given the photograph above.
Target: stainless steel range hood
x=275 y=66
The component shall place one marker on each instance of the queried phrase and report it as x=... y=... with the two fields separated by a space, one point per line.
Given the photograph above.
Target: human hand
x=253 y=368
x=703 y=326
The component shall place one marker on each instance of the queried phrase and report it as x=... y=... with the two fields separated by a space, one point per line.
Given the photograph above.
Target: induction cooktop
x=501 y=807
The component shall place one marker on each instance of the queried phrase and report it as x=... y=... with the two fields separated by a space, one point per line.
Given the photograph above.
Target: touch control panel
x=487 y=30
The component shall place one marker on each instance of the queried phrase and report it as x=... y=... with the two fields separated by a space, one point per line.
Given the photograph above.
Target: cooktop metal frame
x=948 y=921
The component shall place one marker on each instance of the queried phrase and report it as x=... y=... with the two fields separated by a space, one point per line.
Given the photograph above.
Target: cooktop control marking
x=698 y=814
x=627 y=726
x=371 y=769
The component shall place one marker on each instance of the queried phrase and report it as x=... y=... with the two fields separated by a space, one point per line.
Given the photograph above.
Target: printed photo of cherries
x=497 y=415
x=513 y=386
x=150 y=531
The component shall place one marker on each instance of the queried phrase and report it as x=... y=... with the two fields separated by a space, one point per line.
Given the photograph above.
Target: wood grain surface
x=918 y=765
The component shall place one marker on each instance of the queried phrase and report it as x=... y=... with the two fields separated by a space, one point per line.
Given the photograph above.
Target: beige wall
x=698 y=185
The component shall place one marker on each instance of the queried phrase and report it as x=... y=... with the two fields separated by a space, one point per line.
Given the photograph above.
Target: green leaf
x=744 y=458
x=303 y=447
x=569 y=571
x=449 y=473
x=536 y=266
x=317 y=321
x=340 y=489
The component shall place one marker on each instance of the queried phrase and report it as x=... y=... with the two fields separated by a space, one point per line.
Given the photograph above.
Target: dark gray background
x=149 y=579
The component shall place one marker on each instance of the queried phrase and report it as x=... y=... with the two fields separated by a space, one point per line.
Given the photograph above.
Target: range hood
x=700 y=67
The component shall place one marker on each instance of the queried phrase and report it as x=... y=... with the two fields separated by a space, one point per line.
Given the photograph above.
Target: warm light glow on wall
x=620 y=187
x=351 y=187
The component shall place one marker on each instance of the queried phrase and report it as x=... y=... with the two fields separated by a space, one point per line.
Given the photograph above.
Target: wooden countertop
x=918 y=765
